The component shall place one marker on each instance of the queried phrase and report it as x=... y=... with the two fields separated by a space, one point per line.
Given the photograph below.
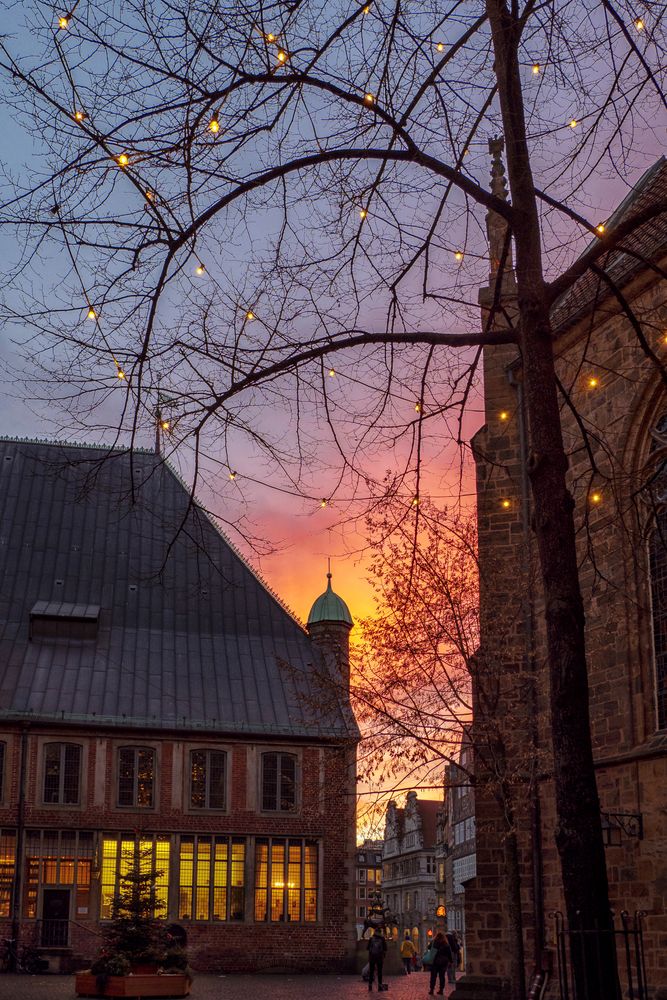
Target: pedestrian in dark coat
x=453 y=943
x=377 y=949
x=443 y=957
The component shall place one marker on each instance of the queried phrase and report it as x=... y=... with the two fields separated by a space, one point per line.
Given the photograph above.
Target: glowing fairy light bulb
x=369 y=99
x=282 y=56
x=120 y=374
x=214 y=126
x=123 y=160
x=165 y=425
x=232 y=475
x=600 y=228
x=199 y=270
x=79 y=116
x=458 y=255
x=573 y=123
x=323 y=502
x=63 y=22
x=92 y=314
x=270 y=37
x=362 y=213
x=503 y=415
x=536 y=69
x=332 y=373
x=506 y=504
x=593 y=382
x=639 y=24
x=150 y=196
x=415 y=501
x=367 y=9
x=418 y=407
x=250 y=314
x=440 y=47
x=595 y=498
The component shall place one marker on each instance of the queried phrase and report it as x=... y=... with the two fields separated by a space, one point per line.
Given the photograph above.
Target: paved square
x=414 y=987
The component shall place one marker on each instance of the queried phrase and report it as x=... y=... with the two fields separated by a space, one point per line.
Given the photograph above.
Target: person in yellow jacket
x=407 y=953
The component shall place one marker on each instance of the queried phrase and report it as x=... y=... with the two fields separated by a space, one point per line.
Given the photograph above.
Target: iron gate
x=627 y=945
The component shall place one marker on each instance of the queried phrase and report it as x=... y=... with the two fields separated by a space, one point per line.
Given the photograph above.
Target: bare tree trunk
x=579 y=832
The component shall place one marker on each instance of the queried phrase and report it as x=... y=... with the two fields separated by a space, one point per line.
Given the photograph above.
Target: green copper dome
x=329 y=607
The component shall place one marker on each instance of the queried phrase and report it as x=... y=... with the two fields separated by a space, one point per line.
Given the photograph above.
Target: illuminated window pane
x=186 y=874
x=7 y=866
x=237 y=889
x=212 y=878
x=220 y=881
x=108 y=876
x=120 y=857
x=277 y=880
x=294 y=882
x=310 y=881
x=261 y=879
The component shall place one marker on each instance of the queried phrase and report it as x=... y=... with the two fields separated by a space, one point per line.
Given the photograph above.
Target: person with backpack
x=377 y=949
x=442 y=957
x=408 y=953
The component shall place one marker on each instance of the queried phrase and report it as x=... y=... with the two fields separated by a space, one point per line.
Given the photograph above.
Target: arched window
x=657 y=551
x=62 y=770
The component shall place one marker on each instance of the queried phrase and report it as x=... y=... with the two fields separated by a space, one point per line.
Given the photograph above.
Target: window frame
x=3 y=768
x=280 y=753
x=137 y=748
x=271 y=885
x=207 y=808
x=212 y=840
x=64 y=746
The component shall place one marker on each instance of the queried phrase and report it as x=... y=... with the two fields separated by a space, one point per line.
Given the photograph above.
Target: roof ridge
x=74 y=444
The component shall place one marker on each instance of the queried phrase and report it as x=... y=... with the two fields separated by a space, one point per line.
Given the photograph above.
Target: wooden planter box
x=133 y=986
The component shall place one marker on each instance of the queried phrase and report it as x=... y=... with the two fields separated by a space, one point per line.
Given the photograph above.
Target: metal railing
x=53 y=933
x=622 y=945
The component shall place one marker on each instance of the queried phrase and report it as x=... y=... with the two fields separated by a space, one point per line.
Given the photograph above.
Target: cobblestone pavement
x=414 y=987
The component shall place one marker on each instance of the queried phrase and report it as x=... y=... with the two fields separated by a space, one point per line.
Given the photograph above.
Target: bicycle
x=25 y=960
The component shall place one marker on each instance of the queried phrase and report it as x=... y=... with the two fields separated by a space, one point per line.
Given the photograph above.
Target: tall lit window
x=120 y=854
x=62 y=769
x=61 y=858
x=286 y=880
x=279 y=782
x=212 y=878
x=136 y=776
x=7 y=864
x=207 y=779
x=657 y=493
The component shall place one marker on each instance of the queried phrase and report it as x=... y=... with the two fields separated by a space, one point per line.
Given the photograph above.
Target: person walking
x=442 y=959
x=453 y=942
x=377 y=949
x=408 y=952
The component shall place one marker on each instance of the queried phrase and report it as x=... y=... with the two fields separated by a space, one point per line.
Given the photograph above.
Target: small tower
x=329 y=625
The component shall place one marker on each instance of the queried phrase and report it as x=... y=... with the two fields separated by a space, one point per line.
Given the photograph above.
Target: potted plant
x=137 y=951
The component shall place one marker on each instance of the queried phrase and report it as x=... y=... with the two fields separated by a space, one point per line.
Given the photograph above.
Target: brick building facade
x=459 y=860
x=408 y=877
x=156 y=697
x=368 y=877
x=618 y=393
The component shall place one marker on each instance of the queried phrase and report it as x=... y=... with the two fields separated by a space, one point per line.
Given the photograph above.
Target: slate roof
x=428 y=812
x=186 y=635
x=647 y=243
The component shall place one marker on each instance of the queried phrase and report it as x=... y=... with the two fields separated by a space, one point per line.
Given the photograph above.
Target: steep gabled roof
x=648 y=243
x=186 y=634
x=428 y=811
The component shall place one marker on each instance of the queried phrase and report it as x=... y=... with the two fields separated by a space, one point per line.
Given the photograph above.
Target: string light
x=150 y=196
x=165 y=425
x=271 y=37
x=282 y=56
x=536 y=69
x=250 y=314
x=600 y=228
x=63 y=21
x=593 y=382
x=458 y=255
x=92 y=314
x=323 y=502
x=362 y=213
x=332 y=373
x=232 y=475
x=214 y=126
x=123 y=160
x=596 y=498
x=503 y=415
x=199 y=270
x=440 y=47
x=120 y=374
x=415 y=501
x=367 y=9
x=418 y=407
x=369 y=98
x=79 y=116
x=506 y=504
x=639 y=24
x=574 y=123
